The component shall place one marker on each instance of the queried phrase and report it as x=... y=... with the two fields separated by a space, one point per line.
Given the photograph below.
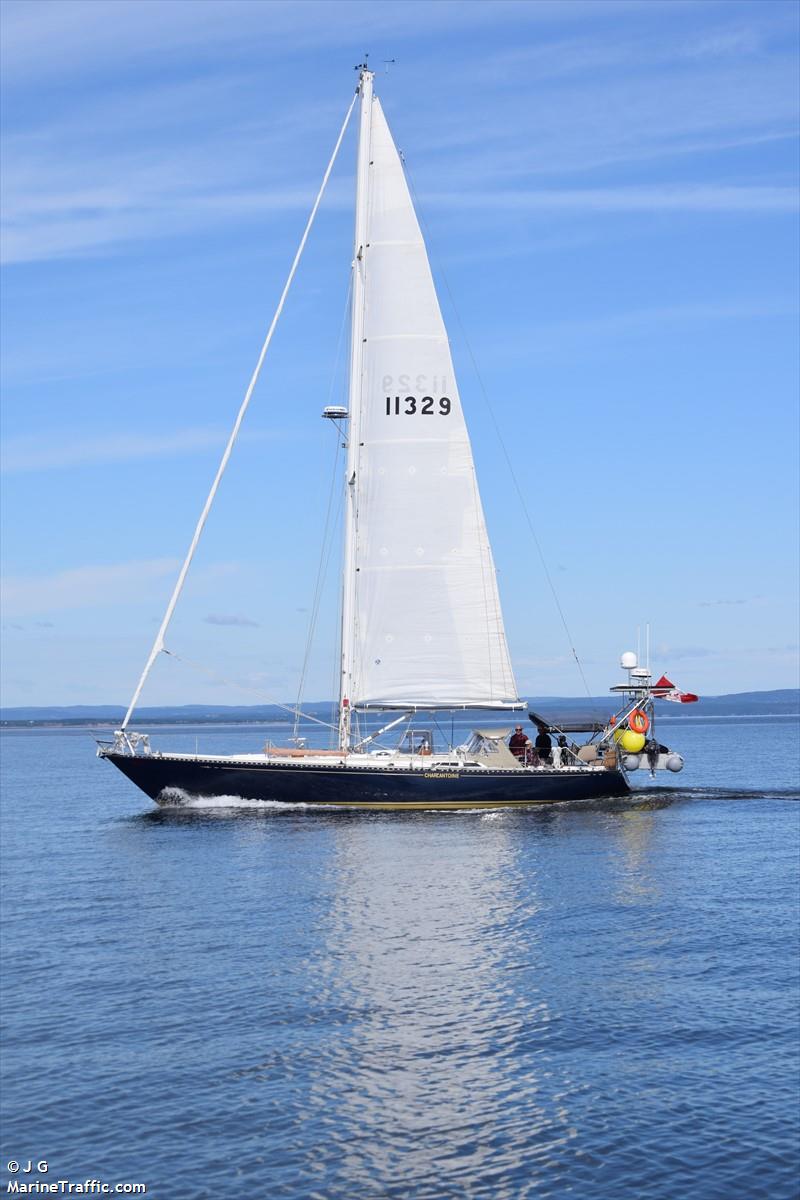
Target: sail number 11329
x=406 y=406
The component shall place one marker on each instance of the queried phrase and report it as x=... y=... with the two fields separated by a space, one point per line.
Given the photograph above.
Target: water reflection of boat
x=434 y=954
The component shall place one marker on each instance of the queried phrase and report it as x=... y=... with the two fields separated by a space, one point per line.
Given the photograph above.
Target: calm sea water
x=591 y=1001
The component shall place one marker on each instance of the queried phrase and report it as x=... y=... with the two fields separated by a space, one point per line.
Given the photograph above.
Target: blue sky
x=610 y=193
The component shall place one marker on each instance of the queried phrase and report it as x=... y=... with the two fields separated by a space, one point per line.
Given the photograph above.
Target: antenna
x=388 y=62
x=362 y=66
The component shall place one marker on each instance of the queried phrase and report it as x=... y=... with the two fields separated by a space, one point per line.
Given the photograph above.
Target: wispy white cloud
x=63 y=199
x=46 y=453
x=76 y=223
x=230 y=619
x=83 y=587
x=725 y=42
x=36 y=625
x=33 y=453
x=785 y=653
x=733 y=309
x=656 y=198
x=578 y=105
x=555 y=335
x=678 y=653
x=721 y=603
x=198 y=155
x=575 y=56
x=63 y=38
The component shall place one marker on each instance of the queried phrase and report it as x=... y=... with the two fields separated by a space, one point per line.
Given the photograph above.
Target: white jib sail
x=423 y=625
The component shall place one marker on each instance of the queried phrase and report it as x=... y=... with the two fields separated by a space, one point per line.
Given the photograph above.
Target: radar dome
x=628 y=660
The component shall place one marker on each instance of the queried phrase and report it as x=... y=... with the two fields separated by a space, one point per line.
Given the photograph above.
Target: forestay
x=423 y=625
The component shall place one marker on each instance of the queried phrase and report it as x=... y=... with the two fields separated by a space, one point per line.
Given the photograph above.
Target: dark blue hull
x=164 y=778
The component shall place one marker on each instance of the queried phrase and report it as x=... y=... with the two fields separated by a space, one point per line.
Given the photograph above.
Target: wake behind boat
x=422 y=628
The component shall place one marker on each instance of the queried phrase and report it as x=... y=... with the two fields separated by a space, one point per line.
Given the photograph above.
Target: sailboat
x=422 y=628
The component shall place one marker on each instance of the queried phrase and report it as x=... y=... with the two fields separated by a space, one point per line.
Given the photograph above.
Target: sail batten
x=422 y=625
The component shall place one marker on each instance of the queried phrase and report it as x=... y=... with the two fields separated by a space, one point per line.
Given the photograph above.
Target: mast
x=354 y=406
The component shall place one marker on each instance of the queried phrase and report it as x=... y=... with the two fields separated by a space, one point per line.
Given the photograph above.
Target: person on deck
x=520 y=745
x=543 y=743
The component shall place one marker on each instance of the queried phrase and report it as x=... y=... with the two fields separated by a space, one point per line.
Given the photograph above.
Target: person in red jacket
x=519 y=744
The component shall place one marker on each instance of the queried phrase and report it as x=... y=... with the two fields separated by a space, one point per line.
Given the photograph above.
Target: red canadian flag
x=665 y=689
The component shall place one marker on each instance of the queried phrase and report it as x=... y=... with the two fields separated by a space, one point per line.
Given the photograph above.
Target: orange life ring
x=639 y=721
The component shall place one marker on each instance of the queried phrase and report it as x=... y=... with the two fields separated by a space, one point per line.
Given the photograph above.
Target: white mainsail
x=422 y=625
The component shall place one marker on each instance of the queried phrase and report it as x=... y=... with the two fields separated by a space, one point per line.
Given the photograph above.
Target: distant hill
x=782 y=702
x=779 y=702
x=112 y=714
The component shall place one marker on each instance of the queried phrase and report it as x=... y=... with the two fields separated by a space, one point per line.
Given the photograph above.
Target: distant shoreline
x=783 y=702
x=110 y=726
